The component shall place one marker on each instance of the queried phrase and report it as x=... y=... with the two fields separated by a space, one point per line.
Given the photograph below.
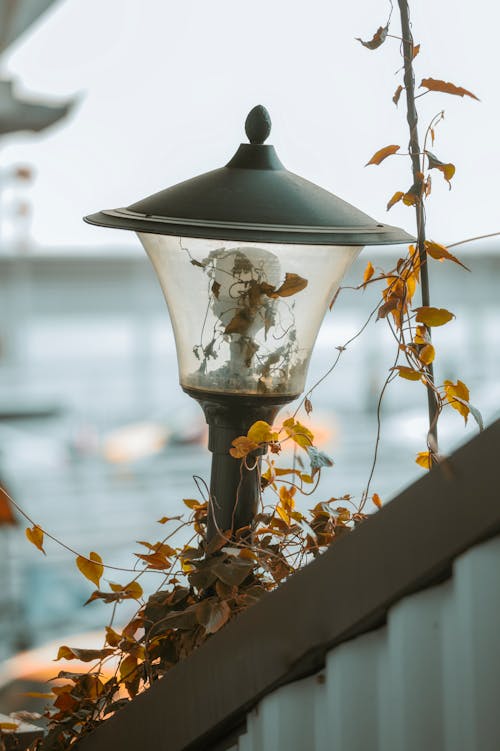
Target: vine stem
x=414 y=148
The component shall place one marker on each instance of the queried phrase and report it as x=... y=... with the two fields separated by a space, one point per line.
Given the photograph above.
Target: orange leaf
x=448 y=169
x=397 y=94
x=382 y=154
x=396 y=197
x=91 y=567
x=424 y=459
x=420 y=335
x=369 y=272
x=35 y=536
x=6 y=513
x=156 y=561
x=446 y=87
x=427 y=354
x=416 y=50
x=408 y=373
x=433 y=316
x=376 y=500
x=378 y=38
x=440 y=252
x=242 y=446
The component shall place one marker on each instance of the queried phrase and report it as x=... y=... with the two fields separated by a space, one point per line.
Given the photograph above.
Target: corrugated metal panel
x=430 y=679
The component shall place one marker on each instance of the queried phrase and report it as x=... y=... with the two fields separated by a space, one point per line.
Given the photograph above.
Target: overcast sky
x=164 y=88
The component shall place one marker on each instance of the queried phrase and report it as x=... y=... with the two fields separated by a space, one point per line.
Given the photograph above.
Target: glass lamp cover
x=246 y=315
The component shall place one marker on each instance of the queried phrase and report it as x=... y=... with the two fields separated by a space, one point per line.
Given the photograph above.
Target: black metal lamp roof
x=253 y=198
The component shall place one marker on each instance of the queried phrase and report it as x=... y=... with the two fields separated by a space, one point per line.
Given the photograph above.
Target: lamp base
x=234 y=489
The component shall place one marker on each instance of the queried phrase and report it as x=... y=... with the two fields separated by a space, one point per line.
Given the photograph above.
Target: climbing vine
x=201 y=586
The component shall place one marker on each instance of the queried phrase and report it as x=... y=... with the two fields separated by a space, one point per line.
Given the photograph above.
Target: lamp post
x=248 y=257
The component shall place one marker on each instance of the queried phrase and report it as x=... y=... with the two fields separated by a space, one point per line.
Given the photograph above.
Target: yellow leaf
x=440 y=253
x=293 y=283
x=65 y=653
x=286 y=498
x=396 y=197
x=446 y=88
x=408 y=373
x=376 y=500
x=382 y=154
x=132 y=591
x=298 y=433
x=433 y=316
x=369 y=272
x=247 y=554
x=427 y=354
x=127 y=668
x=261 y=432
x=9 y=725
x=35 y=536
x=112 y=637
x=38 y=695
x=242 y=446
x=424 y=459
x=91 y=567
x=283 y=513
x=192 y=503
x=460 y=390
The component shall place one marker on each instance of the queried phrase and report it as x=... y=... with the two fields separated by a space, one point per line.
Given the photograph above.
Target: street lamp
x=248 y=257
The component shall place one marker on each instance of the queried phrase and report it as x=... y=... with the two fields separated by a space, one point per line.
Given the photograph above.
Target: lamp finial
x=258 y=124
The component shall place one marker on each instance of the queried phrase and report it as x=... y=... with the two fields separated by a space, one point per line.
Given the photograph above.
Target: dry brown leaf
x=293 y=283
x=378 y=38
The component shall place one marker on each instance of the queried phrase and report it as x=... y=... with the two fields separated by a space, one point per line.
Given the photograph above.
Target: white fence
x=427 y=681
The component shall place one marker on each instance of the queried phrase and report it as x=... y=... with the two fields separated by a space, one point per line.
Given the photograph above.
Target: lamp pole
x=248 y=257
